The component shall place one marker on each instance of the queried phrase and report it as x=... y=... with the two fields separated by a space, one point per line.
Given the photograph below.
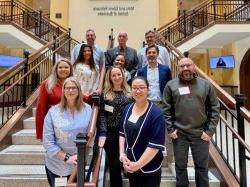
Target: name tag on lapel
x=133 y=118
x=108 y=108
x=184 y=90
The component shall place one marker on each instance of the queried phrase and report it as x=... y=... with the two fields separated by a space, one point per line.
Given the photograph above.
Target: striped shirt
x=59 y=133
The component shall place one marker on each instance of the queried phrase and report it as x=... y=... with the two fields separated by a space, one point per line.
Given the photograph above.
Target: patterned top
x=60 y=130
x=110 y=113
x=87 y=78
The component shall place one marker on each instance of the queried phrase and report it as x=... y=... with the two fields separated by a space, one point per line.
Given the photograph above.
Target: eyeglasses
x=73 y=88
x=141 y=89
x=187 y=65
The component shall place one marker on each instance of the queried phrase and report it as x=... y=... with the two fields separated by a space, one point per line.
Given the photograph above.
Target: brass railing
x=18 y=82
x=31 y=20
x=207 y=13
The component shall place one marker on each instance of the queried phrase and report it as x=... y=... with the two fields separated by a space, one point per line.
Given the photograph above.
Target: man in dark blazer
x=130 y=54
x=157 y=75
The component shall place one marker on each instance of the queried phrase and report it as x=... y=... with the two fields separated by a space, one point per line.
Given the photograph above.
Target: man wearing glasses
x=163 y=56
x=192 y=113
x=157 y=75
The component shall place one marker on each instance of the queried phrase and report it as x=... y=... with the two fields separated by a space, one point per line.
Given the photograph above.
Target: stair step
x=22 y=154
x=25 y=137
x=29 y=123
x=34 y=111
x=165 y=160
x=23 y=175
x=169 y=180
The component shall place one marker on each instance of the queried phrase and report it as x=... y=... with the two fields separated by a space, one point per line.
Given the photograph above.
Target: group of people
x=139 y=99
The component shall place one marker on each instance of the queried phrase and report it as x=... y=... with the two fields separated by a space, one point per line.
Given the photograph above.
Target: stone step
x=27 y=154
x=23 y=176
x=25 y=137
x=165 y=160
x=169 y=180
x=34 y=111
x=29 y=123
x=22 y=154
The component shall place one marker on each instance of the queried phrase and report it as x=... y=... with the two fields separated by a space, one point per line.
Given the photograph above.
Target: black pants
x=144 y=181
x=112 y=150
x=51 y=177
x=200 y=153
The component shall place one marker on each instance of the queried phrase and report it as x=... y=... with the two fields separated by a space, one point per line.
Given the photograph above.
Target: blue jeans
x=200 y=153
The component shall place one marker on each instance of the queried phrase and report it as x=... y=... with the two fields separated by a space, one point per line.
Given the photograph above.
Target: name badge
x=133 y=118
x=60 y=181
x=108 y=108
x=184 y=90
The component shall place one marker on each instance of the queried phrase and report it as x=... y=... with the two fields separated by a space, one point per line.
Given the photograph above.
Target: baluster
x=240 y=98
x=25 y=70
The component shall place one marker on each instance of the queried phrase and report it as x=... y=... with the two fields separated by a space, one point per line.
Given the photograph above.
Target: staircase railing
x=206 y=14
x=20 y=81
x=229 y=139
x=31 y=20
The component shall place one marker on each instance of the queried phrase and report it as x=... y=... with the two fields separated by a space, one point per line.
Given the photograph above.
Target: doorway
x=245 y=78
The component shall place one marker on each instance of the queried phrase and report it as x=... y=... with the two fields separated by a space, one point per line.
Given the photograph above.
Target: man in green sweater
x=192 y=113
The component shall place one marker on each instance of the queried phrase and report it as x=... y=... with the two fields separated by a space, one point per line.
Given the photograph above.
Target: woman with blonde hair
x=116 y=96
x=50 y=92
x=61 y=125
x=86 y=72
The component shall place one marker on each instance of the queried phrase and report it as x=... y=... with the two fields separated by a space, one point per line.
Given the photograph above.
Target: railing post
x=54 y=49
x=240 y=98
x=40 y=23
x=184 y=24
x=81 y=150
x=69 y=41
x=11 y=10
x=214 y=6
x=4 y=16
x=25 y=70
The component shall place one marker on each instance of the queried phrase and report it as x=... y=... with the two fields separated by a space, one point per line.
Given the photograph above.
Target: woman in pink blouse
x=86 y=72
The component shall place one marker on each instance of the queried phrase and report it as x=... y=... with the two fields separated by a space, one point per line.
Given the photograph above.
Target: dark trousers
x=200 y=153
x=144 y=181
x=51 y=177
x=112 y=150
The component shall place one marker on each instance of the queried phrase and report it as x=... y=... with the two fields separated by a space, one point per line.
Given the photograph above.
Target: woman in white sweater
x=86 y=72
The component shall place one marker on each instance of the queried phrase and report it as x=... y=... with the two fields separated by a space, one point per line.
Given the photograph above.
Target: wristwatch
x=66 y=158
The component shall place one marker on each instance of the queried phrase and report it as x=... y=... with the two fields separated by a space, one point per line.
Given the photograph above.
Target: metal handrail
x=207 y=13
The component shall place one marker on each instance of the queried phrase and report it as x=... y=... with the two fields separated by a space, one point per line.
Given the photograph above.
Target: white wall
x=84 y=14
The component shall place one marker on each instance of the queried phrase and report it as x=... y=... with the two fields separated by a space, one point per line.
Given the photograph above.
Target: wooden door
x=245 y=78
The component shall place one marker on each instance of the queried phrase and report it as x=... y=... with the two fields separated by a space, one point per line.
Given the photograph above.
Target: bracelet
x=66 y=158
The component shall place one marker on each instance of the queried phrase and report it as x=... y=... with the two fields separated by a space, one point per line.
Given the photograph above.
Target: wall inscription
x=113 y=10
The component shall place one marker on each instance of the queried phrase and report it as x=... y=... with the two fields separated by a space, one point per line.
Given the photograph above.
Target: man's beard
x=187 y=75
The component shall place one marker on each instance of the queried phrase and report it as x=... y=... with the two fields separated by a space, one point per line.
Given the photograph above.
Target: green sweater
x=191 y=107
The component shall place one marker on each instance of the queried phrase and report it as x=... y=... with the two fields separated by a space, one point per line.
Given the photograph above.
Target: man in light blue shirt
x=98 y=52
x=163 y=56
